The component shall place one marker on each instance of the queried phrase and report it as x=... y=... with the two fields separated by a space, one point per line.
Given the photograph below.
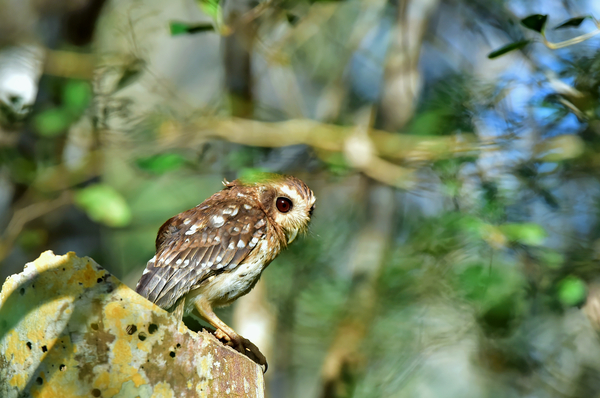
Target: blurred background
x=453 y=146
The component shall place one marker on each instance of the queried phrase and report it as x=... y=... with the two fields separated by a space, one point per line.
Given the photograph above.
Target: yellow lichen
x=138 y=380
x=15 y=347
x=162 y=390
x=18 y=381
x=122 y=357
x=115 y=312
x=102 y=381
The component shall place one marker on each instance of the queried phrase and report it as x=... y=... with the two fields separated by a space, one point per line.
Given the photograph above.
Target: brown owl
x=212 y=254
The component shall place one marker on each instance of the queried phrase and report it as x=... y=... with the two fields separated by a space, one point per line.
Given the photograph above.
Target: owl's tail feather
x=152 y=286
x=143 y=285
x=152 y=282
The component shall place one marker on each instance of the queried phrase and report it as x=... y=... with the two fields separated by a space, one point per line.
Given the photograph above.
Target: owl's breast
x=222 y=289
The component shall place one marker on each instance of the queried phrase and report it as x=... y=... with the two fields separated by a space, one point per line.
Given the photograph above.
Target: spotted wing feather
x=197 y=244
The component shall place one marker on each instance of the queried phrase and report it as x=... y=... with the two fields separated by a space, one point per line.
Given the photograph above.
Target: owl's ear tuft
x=229 y=184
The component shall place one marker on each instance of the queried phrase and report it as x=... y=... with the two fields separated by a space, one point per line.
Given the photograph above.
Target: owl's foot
x=243 y=346
x=229 y=336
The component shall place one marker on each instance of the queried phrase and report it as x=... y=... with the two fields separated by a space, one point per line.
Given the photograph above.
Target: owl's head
x=287 y=200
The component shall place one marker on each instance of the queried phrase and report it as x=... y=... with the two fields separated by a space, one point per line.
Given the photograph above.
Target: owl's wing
x=196 y=244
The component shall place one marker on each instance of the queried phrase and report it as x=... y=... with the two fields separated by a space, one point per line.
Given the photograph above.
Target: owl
x=210 y=255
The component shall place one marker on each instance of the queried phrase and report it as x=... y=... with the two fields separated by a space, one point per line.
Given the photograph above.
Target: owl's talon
x=248 y=348
x=243 y=346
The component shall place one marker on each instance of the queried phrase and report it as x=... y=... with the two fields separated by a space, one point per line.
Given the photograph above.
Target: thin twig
x=570 y=42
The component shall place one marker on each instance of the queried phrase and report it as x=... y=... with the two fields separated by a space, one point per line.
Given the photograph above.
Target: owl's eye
x=283 y=204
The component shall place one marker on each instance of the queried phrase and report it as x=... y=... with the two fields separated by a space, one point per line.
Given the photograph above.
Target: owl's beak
x=292 y=235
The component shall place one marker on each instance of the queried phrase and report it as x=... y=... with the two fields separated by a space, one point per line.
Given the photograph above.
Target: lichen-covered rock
x=70 y=329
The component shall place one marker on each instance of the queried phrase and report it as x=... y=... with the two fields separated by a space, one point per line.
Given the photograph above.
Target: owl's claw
x=245 y=347
x=221 y=335
x=248 y=348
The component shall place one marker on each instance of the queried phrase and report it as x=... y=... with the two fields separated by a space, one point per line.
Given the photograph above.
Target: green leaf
x=77 y=95
x=536 y=22
x=104 y=204
x=52 y=122
x=572 y=291
x=572 y=23
x=210 y=7
x=162 y=163
x=508 y=48
x=526 y=233
x=177 y=28
x=180 y=28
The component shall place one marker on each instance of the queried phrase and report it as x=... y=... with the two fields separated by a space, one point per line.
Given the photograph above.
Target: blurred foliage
x=483 y=284
x=537 y=23
x=179 y=28
x=572 y=291
x=162 y=163
x=75 y=98
x=104 y=205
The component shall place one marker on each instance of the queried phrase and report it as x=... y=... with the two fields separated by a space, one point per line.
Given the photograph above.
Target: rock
x=68 y=328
